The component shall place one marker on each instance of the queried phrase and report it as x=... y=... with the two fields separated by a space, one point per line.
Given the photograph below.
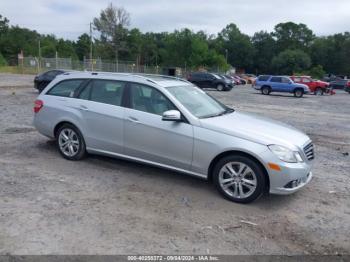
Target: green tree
x=82 y=46
x=292 y=36
x=4 y=24
x=265 y=49
x=291 y=61
x=65 y=48
x=239 y=48
x=16 y=39
x=112 y=25
x=3 y=61
x=332 y=52
x=317 y=72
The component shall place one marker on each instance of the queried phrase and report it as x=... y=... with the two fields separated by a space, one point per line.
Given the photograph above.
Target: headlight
x=285 y=154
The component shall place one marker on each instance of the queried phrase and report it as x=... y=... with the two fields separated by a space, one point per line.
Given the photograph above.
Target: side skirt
x=140 y=160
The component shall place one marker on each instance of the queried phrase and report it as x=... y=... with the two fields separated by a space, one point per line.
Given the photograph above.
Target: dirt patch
x=100 y=205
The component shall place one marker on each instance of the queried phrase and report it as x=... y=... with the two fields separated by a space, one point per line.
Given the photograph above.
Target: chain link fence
x=34 y=65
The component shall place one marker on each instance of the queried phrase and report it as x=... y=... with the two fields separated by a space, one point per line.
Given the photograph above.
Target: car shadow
x=132 y=168
x=280 y=95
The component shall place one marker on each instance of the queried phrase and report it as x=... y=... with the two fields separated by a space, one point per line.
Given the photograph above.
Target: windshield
x=198 y=102
x=216 y=76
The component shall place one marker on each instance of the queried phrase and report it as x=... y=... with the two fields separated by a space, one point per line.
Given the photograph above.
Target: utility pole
x=39 y=53
x=92 y=67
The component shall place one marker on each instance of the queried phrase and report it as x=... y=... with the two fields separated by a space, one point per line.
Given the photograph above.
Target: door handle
x=133 y=119
x=82 y=107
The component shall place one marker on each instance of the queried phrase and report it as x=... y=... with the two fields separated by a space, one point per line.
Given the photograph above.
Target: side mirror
x=172 y=115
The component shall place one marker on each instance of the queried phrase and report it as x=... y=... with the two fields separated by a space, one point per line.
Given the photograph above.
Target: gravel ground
x=10 y=80
x=100 y=205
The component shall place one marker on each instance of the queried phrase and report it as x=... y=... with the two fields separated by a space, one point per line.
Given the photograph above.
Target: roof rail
x=147 y=77
x=163 y=76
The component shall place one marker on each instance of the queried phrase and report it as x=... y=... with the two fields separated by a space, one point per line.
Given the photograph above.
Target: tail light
x=38 y=104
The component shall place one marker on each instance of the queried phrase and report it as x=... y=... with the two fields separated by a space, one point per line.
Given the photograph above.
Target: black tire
x=265 y=90
x=298 y=92
x=319 y=91
x=220 y=87
x=80 y=150
x=254 y=167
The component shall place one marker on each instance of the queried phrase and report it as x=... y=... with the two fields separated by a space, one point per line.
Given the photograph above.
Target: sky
x=71 y=18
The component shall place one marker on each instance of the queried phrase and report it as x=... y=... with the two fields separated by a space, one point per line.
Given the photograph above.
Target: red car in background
x=316 y=87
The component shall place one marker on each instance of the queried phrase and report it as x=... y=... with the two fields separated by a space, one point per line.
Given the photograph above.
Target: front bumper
x=290 y=177
x=290 y=190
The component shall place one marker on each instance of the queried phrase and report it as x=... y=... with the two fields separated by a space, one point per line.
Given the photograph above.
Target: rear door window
x=285 y=80
x=65 y=88
x=276 y=79
x=106 y=91
x=306 y=80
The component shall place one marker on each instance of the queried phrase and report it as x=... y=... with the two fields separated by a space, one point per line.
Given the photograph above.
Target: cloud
x=69 y=19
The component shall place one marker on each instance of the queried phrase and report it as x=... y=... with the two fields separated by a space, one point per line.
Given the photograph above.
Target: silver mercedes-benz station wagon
x=170 y=123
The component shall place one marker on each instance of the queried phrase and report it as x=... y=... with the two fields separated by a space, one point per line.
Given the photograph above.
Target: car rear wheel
x=265 y=90
x=70 y=142
x=319 y=91
x=298 y=92
x=239 y=178
x=220 y=87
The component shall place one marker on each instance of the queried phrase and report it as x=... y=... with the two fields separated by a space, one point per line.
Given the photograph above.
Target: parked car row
x=298 y=85
x=337 y=82
x=221 y=82
x=211 y=80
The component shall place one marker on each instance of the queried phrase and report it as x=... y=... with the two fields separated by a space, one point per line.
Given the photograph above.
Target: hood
x=322 y=82
x=257 y=129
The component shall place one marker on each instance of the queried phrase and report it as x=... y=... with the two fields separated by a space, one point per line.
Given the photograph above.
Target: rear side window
x=306 y=80
x=276 y=79
x=285 y=80
x=263 y=78
x=65 y=88
x=198 y=76
x=107 y=92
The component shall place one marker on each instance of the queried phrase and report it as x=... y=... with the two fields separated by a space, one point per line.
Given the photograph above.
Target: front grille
x=309 y=151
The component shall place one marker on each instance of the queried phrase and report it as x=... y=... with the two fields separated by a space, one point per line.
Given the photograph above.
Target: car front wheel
x=220 y=87
x=239 y=178
x=70 y=142
x=318 y=91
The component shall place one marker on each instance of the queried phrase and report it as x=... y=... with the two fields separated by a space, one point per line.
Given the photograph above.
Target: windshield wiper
x=226 y=111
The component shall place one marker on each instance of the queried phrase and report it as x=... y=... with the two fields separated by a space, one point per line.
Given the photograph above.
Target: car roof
x=160 y=80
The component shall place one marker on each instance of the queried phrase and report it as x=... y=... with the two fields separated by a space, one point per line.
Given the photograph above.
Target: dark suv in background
x=210 y=80
x=43 y=79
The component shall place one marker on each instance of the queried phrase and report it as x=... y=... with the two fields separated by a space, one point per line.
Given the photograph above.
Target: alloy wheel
x=237 y=180
x=68 y=142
